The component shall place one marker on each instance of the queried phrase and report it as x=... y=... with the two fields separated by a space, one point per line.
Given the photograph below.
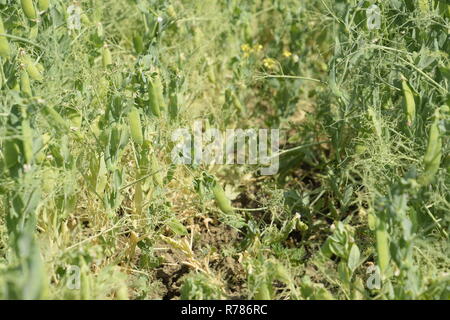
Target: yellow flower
x=258 y=48
x=246 y=49
x=287 y=53
x=270 y=63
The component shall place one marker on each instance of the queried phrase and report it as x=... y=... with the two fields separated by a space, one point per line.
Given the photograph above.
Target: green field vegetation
x=92 y=206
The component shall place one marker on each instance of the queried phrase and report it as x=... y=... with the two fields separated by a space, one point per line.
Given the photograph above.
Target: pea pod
x=33 y=68
x=433 y=155
x=11 y=153
x=27 y=141
x=410 y=104
x=159 y=91
x=211 y=74
x=135 y=126
x=382 y=237
x=25 y=86
x=222 y=201
x=43 y=5
x=154 y=99
x=28 y=9
x=106 y=56
x=138 y=43
x=5 y=50
x=173 y=105
x=237 y=103
x=56 y=119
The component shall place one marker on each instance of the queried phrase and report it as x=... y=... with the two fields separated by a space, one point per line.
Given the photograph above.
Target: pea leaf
x=353 y=259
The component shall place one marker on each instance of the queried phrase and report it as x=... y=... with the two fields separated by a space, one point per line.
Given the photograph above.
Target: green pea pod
x=11 y=153
x=34 y=72
x=177 y=227
x=33 y=69
x=237 y=103
x=154 y=99
x=222 y=201
x=382 y=237
x=106 y=56
x=433 y=155
x=135 y=126
x=410 y=104
x=173 y=105
x=56 y=120
x=138 y=44
x=28 y=9
x=27 y=141
x=5 y=50
x=159 y=92
x=25 y=86
x=211 y=74
x=43 y=5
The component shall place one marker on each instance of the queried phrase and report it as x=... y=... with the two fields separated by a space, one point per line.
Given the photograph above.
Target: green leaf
x=353 y=259
x=177 y=227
